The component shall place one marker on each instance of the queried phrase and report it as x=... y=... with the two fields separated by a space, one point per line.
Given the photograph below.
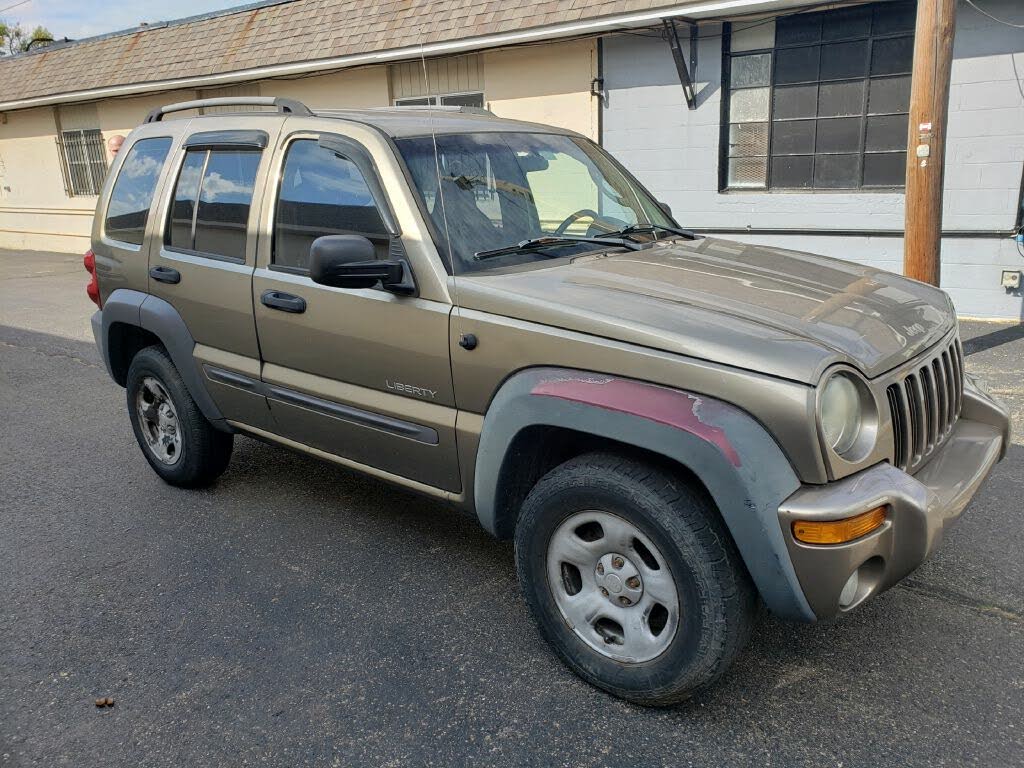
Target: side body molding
x=163 y=321
x=737 y=460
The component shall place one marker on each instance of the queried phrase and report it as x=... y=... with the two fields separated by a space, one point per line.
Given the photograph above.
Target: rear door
x=359 y=373
x=204 y=260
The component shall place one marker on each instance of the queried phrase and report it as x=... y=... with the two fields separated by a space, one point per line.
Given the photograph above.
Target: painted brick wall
x=674 y=151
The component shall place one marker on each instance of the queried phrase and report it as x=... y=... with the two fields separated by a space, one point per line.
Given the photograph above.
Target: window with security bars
x=83 y=160
x=819 y=100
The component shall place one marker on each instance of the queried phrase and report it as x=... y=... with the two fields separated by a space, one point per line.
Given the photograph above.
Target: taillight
x=93 y=288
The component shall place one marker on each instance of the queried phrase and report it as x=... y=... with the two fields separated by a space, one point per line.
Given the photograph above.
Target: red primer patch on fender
x=658 y=404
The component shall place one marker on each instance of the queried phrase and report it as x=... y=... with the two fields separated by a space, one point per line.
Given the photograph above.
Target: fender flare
x=160 y=318
x=739 y=463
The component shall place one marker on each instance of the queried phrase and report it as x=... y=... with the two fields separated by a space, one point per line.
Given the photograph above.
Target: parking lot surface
x=297 y=613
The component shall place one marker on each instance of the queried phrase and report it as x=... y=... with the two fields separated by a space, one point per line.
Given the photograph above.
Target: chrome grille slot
x=924 y=405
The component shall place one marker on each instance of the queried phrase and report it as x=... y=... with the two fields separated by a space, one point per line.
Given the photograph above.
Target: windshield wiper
x=549 y=240
x=641 y=228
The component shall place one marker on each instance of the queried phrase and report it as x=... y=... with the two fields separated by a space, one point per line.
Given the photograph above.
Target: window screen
x=210 y=210
x=321 y=193
x=132 y=195
x=820 y=100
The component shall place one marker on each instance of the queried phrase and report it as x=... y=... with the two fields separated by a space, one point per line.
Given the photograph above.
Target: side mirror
x=666 y=209
x=349 y=261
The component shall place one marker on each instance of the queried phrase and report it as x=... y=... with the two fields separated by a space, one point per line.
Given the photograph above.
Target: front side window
x=819 y=100
x=133 y=191
x=498 y=189
x=321 y=193
x=212 y=198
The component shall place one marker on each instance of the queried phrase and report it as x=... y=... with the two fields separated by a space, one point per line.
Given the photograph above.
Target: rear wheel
x=179 y=443
x=632 y=578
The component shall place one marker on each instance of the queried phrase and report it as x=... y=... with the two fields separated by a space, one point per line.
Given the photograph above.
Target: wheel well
x=124 y=341
x=538 y=449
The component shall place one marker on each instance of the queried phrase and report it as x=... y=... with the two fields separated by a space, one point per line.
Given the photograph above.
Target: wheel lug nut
x=618 y=562
x=600 y=569
x=633 y=582
x=625 y=600
x=604 y=591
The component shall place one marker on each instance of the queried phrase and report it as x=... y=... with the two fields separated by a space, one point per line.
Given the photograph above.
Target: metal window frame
x=83 y=174
x=727 y=90
x=404 y=100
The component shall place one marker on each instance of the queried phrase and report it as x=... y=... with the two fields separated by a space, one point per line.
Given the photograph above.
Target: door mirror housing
x=666 y=209
x=350 y=261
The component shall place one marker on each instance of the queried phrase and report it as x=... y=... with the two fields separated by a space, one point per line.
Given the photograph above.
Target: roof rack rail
x=287 y=106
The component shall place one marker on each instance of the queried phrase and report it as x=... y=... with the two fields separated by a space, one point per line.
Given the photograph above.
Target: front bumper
x=921 y=507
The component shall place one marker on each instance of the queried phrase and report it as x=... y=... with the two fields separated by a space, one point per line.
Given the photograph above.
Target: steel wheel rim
x=158 y=421
x=613 y=586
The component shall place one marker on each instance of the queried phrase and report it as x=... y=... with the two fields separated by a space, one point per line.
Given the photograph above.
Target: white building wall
x=675 y=152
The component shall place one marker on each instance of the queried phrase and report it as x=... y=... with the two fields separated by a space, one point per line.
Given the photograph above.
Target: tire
x=179 y=443
x=687 y=546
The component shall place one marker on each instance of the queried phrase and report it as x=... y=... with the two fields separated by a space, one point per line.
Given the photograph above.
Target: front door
x=204 y=263
x=359 y=373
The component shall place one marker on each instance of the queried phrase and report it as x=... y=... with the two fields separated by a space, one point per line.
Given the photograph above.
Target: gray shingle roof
x=280 y=33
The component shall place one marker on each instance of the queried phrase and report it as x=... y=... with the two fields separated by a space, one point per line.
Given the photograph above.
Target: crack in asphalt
x=953 y=597
x=52 y=354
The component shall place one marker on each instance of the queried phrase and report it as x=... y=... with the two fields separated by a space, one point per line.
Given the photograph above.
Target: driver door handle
x=286 y=302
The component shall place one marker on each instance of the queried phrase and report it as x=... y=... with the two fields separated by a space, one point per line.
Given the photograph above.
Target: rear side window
x=210 y=211
x=133 y=191
x=321 y=193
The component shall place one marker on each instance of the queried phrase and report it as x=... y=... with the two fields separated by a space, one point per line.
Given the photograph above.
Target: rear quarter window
x=132 y=195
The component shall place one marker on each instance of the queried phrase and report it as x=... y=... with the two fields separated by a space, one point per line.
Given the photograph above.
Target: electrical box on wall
x=1011 y=278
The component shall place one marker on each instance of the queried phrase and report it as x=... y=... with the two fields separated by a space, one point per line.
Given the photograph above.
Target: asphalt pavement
x=297 y=613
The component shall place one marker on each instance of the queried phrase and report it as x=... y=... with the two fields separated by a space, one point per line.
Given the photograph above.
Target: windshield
x=499 y=189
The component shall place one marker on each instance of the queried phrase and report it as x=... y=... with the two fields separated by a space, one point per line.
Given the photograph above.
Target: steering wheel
x=582 y=213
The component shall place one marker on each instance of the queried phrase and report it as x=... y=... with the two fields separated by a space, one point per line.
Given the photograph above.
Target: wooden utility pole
x=926 y=142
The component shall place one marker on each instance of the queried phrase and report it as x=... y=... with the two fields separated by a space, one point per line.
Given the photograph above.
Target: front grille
x=924 y=405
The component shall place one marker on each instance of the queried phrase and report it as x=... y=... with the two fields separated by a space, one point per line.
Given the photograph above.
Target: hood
x=770 y=310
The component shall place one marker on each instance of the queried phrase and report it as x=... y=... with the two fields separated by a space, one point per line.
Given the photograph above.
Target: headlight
x=842 y=414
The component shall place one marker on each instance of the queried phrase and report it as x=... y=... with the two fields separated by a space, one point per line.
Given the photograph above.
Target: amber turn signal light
x=839 y=531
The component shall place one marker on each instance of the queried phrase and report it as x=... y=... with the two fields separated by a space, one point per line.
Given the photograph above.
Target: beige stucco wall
x=542 y=83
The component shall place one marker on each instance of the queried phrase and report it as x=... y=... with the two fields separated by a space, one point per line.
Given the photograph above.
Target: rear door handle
x=286 y=302
x=165 y=275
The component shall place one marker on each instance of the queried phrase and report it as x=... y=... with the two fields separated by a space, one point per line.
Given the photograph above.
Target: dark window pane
x=893 y=56
x=889 y=94
x=321 y=194
x=747 y=172
x=747 y=139
x=224 y=202
x=796 y=65
x=842 y=60
x=894 y=17
x=888 y=169
x=846 y=23
x=463 y=100
x=841 y=99
x=886 y=132
x=793 y=172
x=841 y=134
x=179 y=233
x=801 y=28
x=836 y=171
x=133 y=191
x=796 y=101
x=793 y=137
x=749 y=71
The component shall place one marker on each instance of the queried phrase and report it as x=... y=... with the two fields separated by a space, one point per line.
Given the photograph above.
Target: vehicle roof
x=403 y=122
x=399 y=122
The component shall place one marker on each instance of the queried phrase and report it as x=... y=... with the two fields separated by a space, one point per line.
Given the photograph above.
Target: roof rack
x=287 y=106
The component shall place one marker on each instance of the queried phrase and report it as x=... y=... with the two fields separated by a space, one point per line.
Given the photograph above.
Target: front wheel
x=177 y=440
x=632 y=578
